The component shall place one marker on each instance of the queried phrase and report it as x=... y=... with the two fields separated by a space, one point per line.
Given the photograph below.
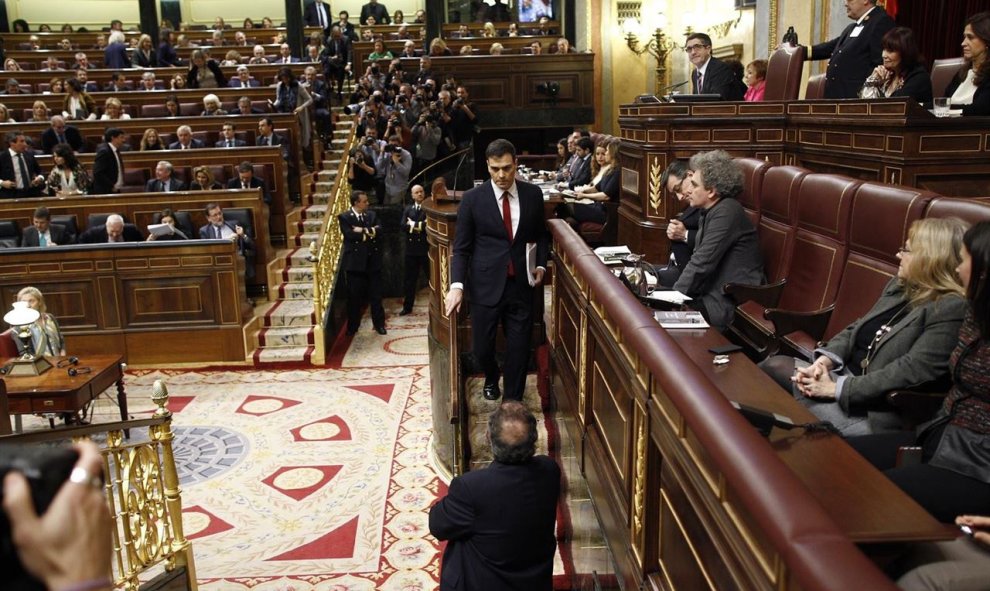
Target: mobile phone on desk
x=725 y=349
x=966 y=530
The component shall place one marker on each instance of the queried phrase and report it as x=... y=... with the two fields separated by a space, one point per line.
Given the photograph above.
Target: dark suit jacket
x=376 y=10
x=917 y=85
x=721 y=80
x=244 y=243
x=237 y=143
x=7 y=174
x=115 y=57
x=256 y=182
x=312 y=19
x=29 y=236
x=195 y=143
x=726 y=251
x=348 y=31
x=98 y=235
x=416 y=244
x=236 y=83
x=851 y=59
x=150 y=62
x=362 y=252
x=156 y=186
x=105 y=171
x=167 y=56
x=278 y=60
x=669 y=274
x=72 y=137
x=582 y=172
x=499 y=523
x=981 y=99
x=481 y=247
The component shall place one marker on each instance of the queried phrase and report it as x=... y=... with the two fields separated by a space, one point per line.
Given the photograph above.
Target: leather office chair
x=153 y=110
x=10 y=234
x=602 y=234
x=100 y=219
x=753 y=171
x=183 y=221
x=815 y=88
x=8 y=344
x=969 y=210
x=784 y=70
x=943 y=71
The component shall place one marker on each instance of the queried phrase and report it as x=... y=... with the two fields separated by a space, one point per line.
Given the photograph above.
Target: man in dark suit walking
x=499 y=521
x=42 y=232
x=163 y=181
x=500 y=225
x=413 y=225
x=376 y=10
x=20 y=174
x=108 y=170
x=711 y=75
x=317 y=14
x=60 y=133
x=856 y=52
x=362 y=263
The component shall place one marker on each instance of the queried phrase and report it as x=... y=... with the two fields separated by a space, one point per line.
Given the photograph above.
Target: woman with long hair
x=904 y=341
x=902 y=74
x=172 y=106
x=562 y=156
x=204 y=72
x=292 y=97
x=438 y=48
x=604 y=187
x=203 y=180
x=145 y=55
x=5 y=114
x=77 y=104
x=56 y=86
x=68 y=177
x=971 y=88
x=150 y=140
x=39 y=112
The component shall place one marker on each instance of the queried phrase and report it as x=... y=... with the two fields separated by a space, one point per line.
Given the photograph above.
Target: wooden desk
x=57 y=392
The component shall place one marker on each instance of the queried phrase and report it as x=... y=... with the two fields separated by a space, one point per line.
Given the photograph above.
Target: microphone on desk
x=665 y=93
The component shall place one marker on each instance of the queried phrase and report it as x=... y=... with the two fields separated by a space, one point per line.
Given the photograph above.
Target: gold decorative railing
x=330 y=247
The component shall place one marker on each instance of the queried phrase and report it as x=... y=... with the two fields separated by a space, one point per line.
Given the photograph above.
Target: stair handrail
x=142 y=492
x=331 y=243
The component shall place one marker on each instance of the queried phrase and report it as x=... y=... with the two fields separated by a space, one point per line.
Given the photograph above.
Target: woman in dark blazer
x=145 y=55
x=971 y=89
x=901 y=74
x=904 y=341
x=604 y=186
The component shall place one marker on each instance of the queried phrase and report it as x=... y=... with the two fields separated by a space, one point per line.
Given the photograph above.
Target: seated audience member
x=83 y=77
x=231 y=59
x=220 y=229
x=438 y=48
x=512 y=31
x=248 y=24
x=204 y=72
x=212 y=106
x=726 y=249
x=267 y=23
x=185 y=140
x=904 y=341
x=258 y=55
x=145 y=55
x=172 y=107
x=462 y=31
x=563 y=156
x=971 y=89
x=115 y=230
x=398 y=18
x=953 y=477
x=12 y=86
x=604 y=185
x=216 y=39
x=70 y=545
x=467 y=49
x=959 y=565
x=246 y=180
x=46 y=327
x=535 y=48
x=756 y=81
x=68 y=177
x=901 y=73
x=113 y=110
x=266 y=135
x=409 y=49
x=284 y=55
x=56 y=86
x=683 y=229
x=581 y=171
x=243 y=79
x=228 y=137
x=244 y=107
x=163 y=181
x=108 y=169
x=174 y=233
x=77 y=104
x=20 y=174
x=11 y=65
x=379 y=52
x=147 y=82
x=564 y=46
x=496 y=49
x=39 y=112
x=118 y=83
x=489 y=547
x=60 y=133
x=51 y=64
x=240 y=39
x=82 y=62
x=150 y=140
x=42 y=232
x=203 y=180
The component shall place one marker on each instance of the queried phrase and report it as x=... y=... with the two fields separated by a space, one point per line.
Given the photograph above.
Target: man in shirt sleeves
x=499 y=521
x=496 y=222
x=854 y=54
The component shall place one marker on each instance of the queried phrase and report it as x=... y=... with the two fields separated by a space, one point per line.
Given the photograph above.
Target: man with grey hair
x=115 y=230
x=60 y=133
x=243 y=78
x=163 y=181
x=148 y=80
x=499 y=521
x=115 y=55
x=186 y=141
x=726 y=249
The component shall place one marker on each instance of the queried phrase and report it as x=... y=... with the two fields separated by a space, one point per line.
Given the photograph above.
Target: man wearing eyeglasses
x=711 y=75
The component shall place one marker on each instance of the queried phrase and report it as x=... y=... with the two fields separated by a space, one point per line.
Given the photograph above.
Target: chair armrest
x=915 y=407
x=785 y=322
x=765 y=295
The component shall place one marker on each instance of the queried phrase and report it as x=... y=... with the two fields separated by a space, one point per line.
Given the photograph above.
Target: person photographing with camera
x=395 y=163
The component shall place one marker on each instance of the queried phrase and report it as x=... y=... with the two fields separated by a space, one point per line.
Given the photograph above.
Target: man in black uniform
x=417 y=250
x=362 y=263
x=854 y=54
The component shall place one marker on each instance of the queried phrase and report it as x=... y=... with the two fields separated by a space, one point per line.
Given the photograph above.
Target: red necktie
x=507 y=220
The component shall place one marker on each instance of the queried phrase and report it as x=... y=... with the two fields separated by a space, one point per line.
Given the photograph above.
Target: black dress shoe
x=405 y=312
x=381 y=330
x=491 y=391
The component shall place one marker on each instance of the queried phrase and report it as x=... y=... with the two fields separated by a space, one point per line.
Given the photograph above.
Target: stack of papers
x=689 y=319
x=612 y=255
x=669 y=296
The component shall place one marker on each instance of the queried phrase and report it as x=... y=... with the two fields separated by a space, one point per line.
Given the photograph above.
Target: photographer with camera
x=395 y=163
x=427 y=135
x=361 y=172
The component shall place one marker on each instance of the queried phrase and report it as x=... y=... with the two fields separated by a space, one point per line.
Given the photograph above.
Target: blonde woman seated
x=488 y=30
x=5 y=114
x=604 y=185
x=496 y=49
x=231 y=59
x=150 y=140
x=203 y=180
x=39 y=112
x=46 y=329
x=467 y=50
x=212 y=106
x=904 y=341
x=113 y=110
